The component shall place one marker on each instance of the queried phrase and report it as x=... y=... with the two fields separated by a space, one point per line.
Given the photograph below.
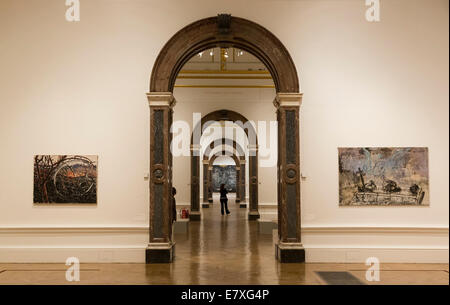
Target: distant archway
x=250 y=131
x=237 y=161
x=237 y=153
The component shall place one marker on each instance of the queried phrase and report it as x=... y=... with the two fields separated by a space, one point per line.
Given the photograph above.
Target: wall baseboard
x=90 y=244
x=60 y=255
x=127 y=244
x=384 y=255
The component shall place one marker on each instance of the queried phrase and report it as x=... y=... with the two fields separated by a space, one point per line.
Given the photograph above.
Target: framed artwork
x=65 y=179
x=225 y=174
x=383 y=176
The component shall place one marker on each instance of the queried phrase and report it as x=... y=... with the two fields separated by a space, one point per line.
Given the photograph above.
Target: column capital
x=252 y=147
x=196 y=147
x=288 y=100
x=161 y=99
x=206 y=162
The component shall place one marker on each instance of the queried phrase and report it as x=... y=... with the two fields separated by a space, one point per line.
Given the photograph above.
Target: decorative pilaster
x=238 y=189
x=161 y=248
x=243 y=203
x=205 y=203
x=289 y=248
x=195 y=183
x=253 y=213
x=210 y=185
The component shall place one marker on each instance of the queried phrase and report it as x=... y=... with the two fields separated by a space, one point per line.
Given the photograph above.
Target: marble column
x=194 y=214
x=161 y=247
x=243 y=203
x=205 y=203
x=210 y=185
x=238 y=179
x=253 y=213
x=289 y=248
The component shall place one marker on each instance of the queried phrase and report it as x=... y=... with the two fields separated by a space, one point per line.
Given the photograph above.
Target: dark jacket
x=174 y=209
x=223 y=194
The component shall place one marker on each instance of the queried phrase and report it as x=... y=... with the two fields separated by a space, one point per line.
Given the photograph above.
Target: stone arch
x=224 y=141
x=250 y=131
x=238 y=161
x=224 y=31
x=238 y=152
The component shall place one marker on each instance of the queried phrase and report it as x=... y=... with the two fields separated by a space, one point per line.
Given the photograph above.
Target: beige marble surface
x=220 y=250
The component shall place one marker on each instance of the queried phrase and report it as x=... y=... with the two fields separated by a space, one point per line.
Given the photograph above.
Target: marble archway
x=238 y=161
x=224 y=31
x=250 y=132
x=224 y=142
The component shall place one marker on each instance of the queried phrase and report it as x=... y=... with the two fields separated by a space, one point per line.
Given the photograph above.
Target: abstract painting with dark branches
x=383 y=176
x=65 y=179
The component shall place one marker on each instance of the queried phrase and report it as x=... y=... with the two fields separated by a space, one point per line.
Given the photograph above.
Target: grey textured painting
x=383 y=176
x=225 y=174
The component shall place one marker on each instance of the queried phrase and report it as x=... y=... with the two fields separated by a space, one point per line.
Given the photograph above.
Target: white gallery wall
x=79 y=88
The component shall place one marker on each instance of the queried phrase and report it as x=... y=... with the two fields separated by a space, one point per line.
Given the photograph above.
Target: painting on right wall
x=383 y=176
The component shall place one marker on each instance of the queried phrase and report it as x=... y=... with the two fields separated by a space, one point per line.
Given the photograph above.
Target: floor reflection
x=219 y=250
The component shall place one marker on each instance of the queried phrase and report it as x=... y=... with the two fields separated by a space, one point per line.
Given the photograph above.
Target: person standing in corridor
x=223 y=199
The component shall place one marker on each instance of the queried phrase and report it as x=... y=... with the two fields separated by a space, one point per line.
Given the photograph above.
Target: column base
x=205 y=205
x=253 y=215
x=243 y=205
x=210 y=200
x=159 y=253
x=195 y=216
x=289 y=252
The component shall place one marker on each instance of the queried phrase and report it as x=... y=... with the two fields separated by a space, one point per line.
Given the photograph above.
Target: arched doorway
x=250 y=131
x=224 y=142
x=224 y=31
x=239 y=160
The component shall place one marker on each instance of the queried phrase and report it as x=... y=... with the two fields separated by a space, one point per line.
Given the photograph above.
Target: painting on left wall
x=65 y=179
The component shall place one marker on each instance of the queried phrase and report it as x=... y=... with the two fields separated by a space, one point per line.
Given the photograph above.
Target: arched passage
x=238 y=160
x=238 y=155
x=250 y=131
x=207 y=193
x=224 y=31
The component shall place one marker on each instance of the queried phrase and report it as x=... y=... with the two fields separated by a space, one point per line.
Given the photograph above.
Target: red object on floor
x=184 y=213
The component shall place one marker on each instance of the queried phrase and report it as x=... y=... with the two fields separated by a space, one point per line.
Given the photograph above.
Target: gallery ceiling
x=224 y=68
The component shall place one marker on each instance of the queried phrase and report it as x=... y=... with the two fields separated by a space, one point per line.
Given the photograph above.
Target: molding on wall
x=144 y=229
x=127 y=244
x=385 y=255
x=84 y=254
x=63 y=230
x=339 y=229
